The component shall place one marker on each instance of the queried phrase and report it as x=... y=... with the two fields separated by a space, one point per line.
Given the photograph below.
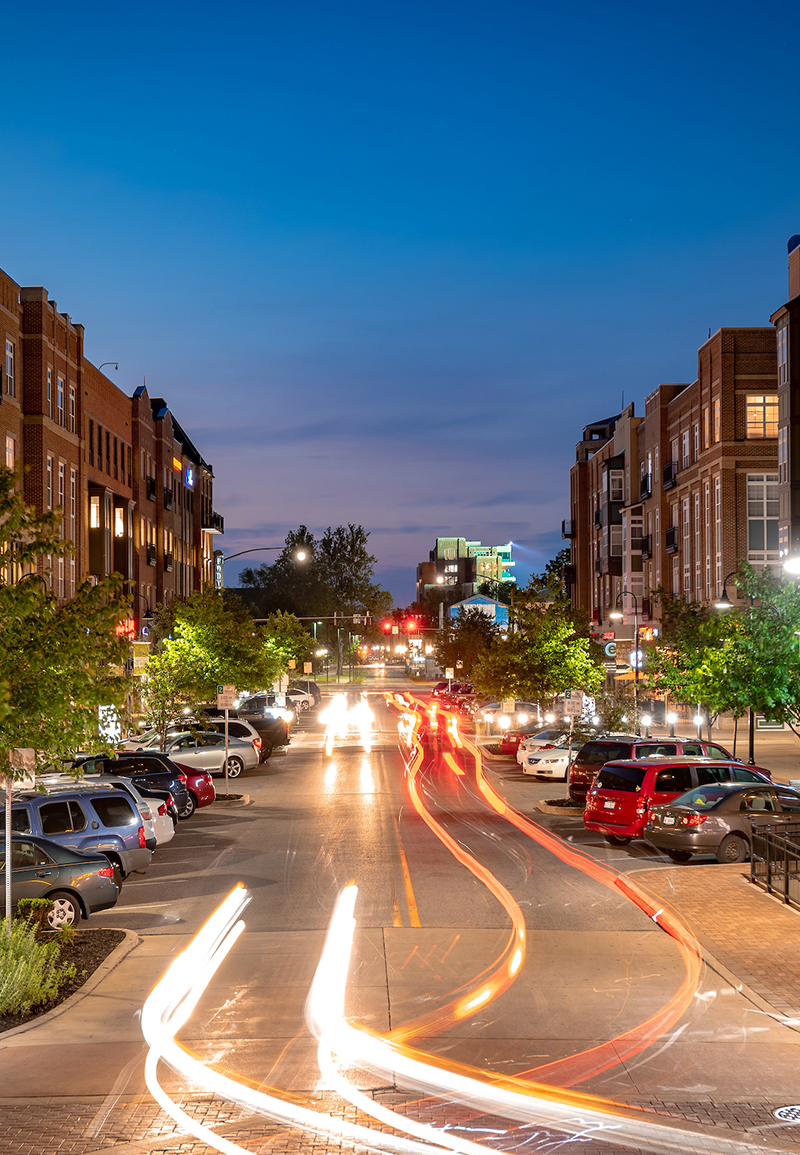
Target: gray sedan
x=718 y=819
x=78 y=884
x=205 y=750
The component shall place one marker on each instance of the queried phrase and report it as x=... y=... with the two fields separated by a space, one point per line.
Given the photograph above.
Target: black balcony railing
x=646 y=486
x=671 y=539
x=167 y=498
x=151 y=555
x=213 y=522
x=150 y=482
x=669 y=476
x=168 y=561
x=566 y=528
x=646 y=545
x=775 y=860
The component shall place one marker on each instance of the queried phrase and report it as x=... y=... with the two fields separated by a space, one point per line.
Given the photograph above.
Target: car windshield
x=598 y=753
x=548 y=735
x=704 y=797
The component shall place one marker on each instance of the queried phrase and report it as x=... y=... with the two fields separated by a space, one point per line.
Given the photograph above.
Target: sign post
x=226 y=696
x=573 y=708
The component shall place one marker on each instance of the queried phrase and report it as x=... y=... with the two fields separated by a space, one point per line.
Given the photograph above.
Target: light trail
x=340 y=719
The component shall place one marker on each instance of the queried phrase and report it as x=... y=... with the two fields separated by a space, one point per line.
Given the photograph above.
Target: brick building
x=454 y=561
x=678 y=497
x=137 y=495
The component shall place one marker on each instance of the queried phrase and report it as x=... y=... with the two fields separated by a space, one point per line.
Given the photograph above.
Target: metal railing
x=775 y=860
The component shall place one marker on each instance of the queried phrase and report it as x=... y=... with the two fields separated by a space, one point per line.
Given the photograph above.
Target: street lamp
x=114 y=363
x=301 y=554
x=616 y=615
x=672 y=719
x=724 y=604
x=698 y=721
x=647 y=722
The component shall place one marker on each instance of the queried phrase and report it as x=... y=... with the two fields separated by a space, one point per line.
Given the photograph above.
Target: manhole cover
x=788 y=1114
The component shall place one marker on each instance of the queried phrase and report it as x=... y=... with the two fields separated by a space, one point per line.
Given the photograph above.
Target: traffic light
x=411 y=625
x=386 y=627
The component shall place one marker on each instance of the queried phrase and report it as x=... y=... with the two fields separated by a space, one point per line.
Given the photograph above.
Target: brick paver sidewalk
x=751 y=934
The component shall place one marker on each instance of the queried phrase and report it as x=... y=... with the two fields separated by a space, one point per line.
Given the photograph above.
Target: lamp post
x=672 y=719
x=114 y=363
x=722 y=604
x=301 y=554
x=616 y=615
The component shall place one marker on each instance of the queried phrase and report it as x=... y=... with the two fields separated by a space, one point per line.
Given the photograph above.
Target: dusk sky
x=384 y=261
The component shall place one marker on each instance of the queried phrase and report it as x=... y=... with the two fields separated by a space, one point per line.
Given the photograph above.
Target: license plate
x=609 y=805
x=668 y=820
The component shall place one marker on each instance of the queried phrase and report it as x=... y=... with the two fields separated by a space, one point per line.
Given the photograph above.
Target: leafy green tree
x=58 y=662
x=549 y=651
x=500 y=591
x=286 y=638
x=464 y=641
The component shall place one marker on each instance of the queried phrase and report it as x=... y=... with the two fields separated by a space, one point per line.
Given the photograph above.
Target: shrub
x=30 y=974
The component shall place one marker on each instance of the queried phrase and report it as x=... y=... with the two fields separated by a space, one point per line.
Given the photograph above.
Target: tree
x=59 y=663
x=464 y=641
x=286 y=638
x=549 y=651
x=335 y=580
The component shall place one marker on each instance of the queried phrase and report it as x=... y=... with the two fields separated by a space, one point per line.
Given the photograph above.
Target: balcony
x=568 y=575
x=598 y=519
x=608 y=565
x=646 y=486
x=151 y=555
x=567 y=530
x=167 y=498
x=150 y=483
x=168 y=562
x=598 y=565
x=672 y=539
x=670 y=475
x=213 y=522
x=646 y=546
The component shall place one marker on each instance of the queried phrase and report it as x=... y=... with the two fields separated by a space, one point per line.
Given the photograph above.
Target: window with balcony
x=762 y=415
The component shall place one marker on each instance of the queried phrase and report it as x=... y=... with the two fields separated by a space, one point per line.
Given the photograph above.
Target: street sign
x=636 y=657
x=610 y=649
x=292 y=664
x=573 y=703
x=219 y=564
x=226 y=696
x=508 y=705
x=307 y=667
x=449 y=672
x=395 y=629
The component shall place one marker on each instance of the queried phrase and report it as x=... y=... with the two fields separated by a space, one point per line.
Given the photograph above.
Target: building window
x=48 y=490
x=762 y=415
x=91 y=442
x=783 y=455
x=674 y=450
x=119 y=521
x=783 y=540
x=783 y=353
x=61 y=590
x=72 y=577
x=10 y=383
x=49 y=393
x=685 y=454
x=696 y=441
x=687 y=562
x=94 y=511
x=706 y=428
x=61 y=475
x=10 y=451
x=72 y=414
x=60 y=400
x=108 y=453
x=717 y=421
x=762 y=519
x=116 y=458
x=658 y=549
x=718 y=532
x=616 y=481
x=73 y=502
x=676 y=576
x=707 y=502
x=698 y=589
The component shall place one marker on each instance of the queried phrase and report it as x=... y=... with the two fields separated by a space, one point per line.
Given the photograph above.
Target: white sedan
x=552 y=763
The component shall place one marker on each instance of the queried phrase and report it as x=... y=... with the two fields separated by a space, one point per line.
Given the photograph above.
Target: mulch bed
x=87 y=951
x=495 y=748
x=565 y=802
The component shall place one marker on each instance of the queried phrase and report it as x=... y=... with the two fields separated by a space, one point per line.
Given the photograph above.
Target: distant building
x=496 y=611
x=456 y=562
x=136 y=494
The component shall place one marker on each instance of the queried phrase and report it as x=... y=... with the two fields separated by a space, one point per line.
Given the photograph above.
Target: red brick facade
x=136 y=494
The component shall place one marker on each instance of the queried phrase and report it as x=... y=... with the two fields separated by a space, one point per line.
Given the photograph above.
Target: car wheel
x=302 y=705
x=616 y=840
x=732 y=849
x=190 y=807
x=235 y=767
x=266 y=749
x=65 y=912
x=679 y=855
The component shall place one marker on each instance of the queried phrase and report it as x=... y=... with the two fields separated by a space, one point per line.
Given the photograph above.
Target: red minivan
x=621 y=795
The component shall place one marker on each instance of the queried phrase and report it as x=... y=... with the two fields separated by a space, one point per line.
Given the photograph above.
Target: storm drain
x=788 y=1114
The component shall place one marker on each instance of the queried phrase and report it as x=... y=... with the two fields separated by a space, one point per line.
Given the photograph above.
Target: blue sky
x=385 y=261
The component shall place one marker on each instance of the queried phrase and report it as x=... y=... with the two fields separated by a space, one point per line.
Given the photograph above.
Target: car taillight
x=256 y=743
x=547 y=746
x=162 y=810
x=147 y=814
x=106 y=872
x=142 y=842
x=693 y=820
x=183 y=779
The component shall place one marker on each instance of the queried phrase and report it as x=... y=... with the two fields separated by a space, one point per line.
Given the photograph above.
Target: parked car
x=616 y=747
x=620 y=799
x=241 y=728
x=551 y=762
x=551 y=736
x=271 y=724
x=205 y=750
x=522 y=713
x=148 y=769
x=97 y=821
x=77 y=883
x=308 y=687
x=199 y=789
x=718 y=819
x=148 y=807
x=515 y=736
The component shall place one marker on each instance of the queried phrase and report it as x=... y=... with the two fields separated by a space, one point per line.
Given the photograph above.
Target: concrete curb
x=546 y=807
x=129 y=943
x=232 y=803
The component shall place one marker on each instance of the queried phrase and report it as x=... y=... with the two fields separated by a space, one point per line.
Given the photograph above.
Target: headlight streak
x=339 y=719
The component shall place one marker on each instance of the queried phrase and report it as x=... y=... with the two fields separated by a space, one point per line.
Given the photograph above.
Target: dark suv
x=593 y=756
x=146 y=770
x=273 y=731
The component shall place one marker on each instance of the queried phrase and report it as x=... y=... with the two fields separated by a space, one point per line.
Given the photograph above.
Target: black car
x=148 y=771
x=273 y=731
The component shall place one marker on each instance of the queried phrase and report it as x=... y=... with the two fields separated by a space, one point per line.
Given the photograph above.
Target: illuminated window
x=119 y=521
x=717 y=420
x=762 y=415
x=10 y=451
x=783 y=454
x=706 y=428
x=94 y=511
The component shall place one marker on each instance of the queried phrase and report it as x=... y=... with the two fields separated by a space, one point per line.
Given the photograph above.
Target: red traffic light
x=386 y=626
x=411 y=625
